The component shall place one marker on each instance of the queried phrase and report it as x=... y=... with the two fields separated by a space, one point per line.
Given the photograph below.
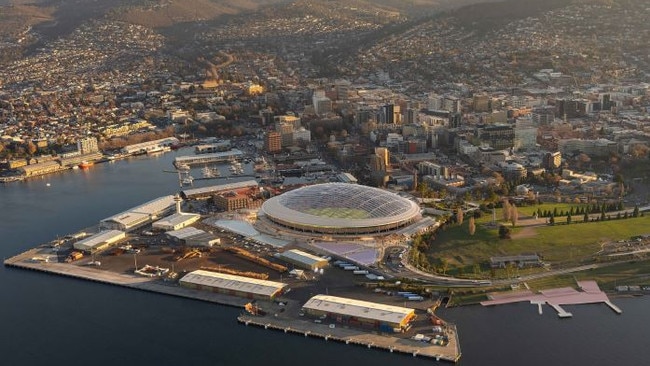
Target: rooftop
x=235 y=283
x=358 y=308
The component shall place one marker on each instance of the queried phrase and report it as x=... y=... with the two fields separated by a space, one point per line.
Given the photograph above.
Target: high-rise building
x=286 y=131
x=552 y=160
x=481 y=103
x=381 y=161
x=273 y=142
x=388 y=113
x=322 y=104
x=525 y=134
x=87 y=145
x=497 y=136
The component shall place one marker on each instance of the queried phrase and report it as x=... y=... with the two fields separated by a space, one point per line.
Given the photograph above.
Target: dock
x=372 y=339
x=348 y=336
x=89 y=273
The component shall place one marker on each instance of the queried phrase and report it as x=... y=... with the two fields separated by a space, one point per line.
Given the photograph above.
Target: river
x=51 y=320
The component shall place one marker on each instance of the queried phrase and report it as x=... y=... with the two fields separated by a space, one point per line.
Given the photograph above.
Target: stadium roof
x=340 y=205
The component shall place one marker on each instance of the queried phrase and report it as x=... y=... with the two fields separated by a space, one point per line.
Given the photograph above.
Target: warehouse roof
x=186 y=232
x=144 y=211
x=219 y=188
x=235 y=283
x=178 y=218
x=358 y=308
x=100 y=238
x=301 y=257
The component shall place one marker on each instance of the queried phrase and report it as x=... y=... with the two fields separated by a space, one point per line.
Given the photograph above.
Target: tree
x=477 y=269
x=514 y=215
x=635 y=213
x=424 y=189
x=31 y=148
x=506 y=210
x=585 y=217
x=504 y=232
x=444 y=265
x=472 y=226
x=459 y=215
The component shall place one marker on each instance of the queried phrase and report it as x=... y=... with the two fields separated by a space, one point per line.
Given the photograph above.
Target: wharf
x=393 y=344
x=90 y=273
x=37 y=260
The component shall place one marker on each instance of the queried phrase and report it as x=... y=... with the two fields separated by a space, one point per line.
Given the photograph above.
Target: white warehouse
x=99 y=241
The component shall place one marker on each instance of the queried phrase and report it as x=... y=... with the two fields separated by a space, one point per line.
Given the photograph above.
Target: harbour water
x=52 y=320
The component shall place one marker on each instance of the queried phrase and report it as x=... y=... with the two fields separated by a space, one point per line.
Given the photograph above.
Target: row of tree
x=581 y=210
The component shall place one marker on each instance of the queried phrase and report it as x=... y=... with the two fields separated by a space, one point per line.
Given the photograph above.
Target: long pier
x=406 y=346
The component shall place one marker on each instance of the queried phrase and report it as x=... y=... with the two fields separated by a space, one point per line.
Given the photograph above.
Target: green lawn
x=339 y=213
x=559 y=243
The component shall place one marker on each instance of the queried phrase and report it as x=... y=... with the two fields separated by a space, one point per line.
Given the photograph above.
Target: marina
x=208 y=158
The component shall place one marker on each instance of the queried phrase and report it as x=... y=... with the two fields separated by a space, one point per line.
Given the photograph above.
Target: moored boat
x=86 y=164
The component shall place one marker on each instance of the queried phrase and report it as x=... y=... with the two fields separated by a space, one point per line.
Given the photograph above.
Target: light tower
x=178 y=200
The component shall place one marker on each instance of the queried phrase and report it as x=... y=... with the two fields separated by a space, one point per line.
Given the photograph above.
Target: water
x=52 y=320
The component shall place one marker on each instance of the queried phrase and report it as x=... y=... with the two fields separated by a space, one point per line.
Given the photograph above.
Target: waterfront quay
x=374 y=340
x=282 y=314
x=27 y=261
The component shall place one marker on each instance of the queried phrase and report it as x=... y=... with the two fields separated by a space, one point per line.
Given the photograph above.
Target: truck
x=415 y=298
x=73 y=256
x=351 y=268
x=360 y=272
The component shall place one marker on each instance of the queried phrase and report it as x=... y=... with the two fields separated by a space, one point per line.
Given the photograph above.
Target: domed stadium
x=340 y=208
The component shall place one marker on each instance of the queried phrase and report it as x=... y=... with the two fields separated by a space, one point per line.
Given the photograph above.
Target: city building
x=322 y=104
x=87 y=145
x=552 y=160
x=150 y=146
x=498 y=136
x=593 y=148
x=232 y=200
x=273 y=142
x=525 y=135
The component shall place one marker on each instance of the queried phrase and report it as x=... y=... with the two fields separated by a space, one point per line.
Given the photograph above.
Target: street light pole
x=135 y=260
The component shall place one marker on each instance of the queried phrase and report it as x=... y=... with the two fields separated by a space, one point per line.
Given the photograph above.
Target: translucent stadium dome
x=340 y=208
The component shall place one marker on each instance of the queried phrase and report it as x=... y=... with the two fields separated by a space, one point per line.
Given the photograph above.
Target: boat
x=210 y=172
x=183 y=167
x=187 y=181
x=86 y=164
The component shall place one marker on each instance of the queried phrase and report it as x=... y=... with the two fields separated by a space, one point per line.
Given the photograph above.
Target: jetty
x=339 y=333
x=588 y=293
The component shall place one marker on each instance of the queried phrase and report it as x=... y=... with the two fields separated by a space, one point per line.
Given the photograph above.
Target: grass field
x=339 y=213
x=559 y=243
